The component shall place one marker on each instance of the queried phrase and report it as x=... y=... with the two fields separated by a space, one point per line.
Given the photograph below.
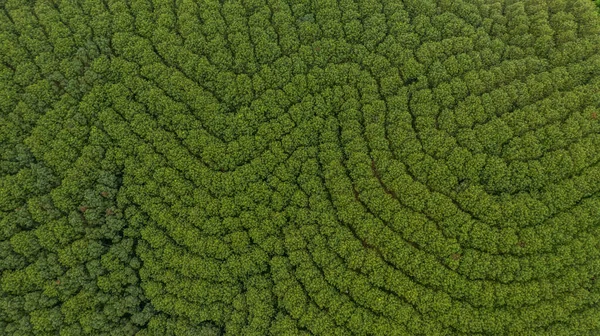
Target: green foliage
x=250 y=167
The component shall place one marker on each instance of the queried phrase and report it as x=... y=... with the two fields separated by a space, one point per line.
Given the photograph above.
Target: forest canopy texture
x=298 y=167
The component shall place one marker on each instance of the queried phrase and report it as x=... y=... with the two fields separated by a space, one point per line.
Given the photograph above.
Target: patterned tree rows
x=271 y=167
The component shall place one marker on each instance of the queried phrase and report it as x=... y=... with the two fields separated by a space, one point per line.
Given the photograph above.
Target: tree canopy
x=299 y=167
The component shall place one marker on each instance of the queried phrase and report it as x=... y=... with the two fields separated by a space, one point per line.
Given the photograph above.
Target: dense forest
x=299 y=167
